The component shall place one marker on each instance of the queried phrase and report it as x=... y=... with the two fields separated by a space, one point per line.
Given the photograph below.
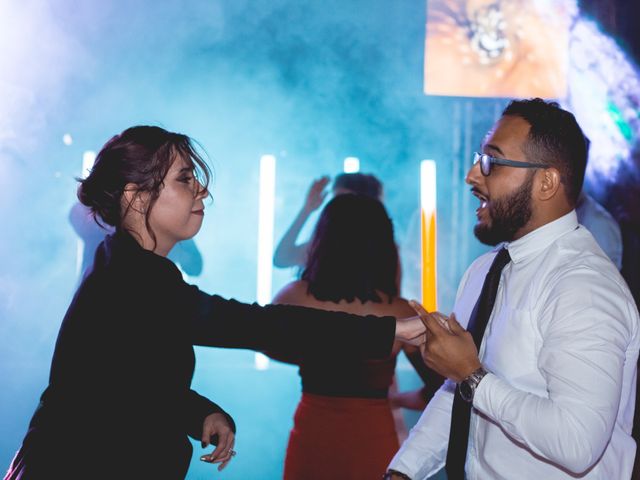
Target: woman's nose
x=201 y=190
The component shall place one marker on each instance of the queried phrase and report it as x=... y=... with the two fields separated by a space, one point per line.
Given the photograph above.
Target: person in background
x=288 y=253
x=604 y=228
x=119 y=402
x=622 y=198
x=542 y=383
x=343 y=426
x=602 y=225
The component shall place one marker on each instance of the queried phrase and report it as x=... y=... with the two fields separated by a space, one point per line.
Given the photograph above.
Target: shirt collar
x=542 y=237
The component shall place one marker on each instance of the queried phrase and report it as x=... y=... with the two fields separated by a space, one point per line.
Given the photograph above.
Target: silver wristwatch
x=467 y=387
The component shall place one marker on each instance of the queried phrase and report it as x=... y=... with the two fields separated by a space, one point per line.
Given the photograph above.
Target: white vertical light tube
x=351 y=165
x=266 y=214
x=428 y=186
x=88 y=159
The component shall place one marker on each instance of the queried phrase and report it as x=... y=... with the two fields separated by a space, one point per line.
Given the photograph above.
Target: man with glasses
x=541 y=349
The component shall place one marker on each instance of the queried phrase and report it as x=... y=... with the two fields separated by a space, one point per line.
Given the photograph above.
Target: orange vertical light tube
x=428 y=234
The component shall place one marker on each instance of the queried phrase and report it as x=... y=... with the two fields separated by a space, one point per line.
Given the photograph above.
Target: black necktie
x=461 y=412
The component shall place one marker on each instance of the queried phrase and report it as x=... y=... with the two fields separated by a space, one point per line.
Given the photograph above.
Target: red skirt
x=345 y=438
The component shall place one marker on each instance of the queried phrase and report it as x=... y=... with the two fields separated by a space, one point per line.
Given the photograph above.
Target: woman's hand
x=316 y=194
x=412 y=399
x=410 y=330
x=218 y=425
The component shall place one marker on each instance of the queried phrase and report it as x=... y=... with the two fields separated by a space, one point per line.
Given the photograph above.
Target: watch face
x=466 y=392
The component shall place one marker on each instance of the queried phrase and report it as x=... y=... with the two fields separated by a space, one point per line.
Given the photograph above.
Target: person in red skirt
x=343 y=425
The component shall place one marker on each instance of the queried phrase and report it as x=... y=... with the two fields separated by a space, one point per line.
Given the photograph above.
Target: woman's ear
x=134 y=199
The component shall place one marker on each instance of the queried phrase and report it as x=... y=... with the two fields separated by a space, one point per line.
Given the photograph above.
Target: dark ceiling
x=619 y=18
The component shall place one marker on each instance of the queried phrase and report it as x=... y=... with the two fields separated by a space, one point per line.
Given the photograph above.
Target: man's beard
x=507 y=215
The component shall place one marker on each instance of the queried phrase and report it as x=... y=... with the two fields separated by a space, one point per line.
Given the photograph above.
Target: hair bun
x=100 y=201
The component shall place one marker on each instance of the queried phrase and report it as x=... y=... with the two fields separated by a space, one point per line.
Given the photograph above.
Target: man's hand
x=316 y=194
x=217 y=424
x=449 y=351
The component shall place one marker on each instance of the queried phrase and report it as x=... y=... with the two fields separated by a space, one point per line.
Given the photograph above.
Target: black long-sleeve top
x=119 y=402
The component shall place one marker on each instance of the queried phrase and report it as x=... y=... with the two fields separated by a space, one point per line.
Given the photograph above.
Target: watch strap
x=471 y=383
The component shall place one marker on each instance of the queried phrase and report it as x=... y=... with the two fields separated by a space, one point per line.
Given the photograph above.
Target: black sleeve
x=285 y=329
x=432 y=380
x=284 y=358
x=199 y=407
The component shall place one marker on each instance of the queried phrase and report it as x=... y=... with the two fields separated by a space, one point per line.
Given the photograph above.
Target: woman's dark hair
x=353 y=253
x=360 y=183
x=142 y=156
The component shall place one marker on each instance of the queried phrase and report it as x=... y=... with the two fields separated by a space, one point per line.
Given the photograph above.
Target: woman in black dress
x=119 y=403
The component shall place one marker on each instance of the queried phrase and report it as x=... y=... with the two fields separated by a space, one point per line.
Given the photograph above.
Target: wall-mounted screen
x=496 y=48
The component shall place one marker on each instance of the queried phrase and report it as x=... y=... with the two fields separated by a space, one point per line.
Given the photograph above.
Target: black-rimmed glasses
x=487 y=160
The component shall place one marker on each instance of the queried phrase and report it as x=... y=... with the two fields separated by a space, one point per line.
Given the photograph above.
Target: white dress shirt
x=562 y=347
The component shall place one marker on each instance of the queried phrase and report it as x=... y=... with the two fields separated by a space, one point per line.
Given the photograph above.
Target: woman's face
x=179 y=210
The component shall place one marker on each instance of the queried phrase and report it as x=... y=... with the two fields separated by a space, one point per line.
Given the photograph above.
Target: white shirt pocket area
x=510 y=349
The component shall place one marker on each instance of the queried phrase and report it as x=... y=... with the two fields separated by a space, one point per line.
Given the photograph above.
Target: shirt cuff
x=481 y=397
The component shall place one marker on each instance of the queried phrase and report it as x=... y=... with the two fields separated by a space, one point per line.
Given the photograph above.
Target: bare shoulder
x=401 y=308
x=398 y=307
x=294 y=293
